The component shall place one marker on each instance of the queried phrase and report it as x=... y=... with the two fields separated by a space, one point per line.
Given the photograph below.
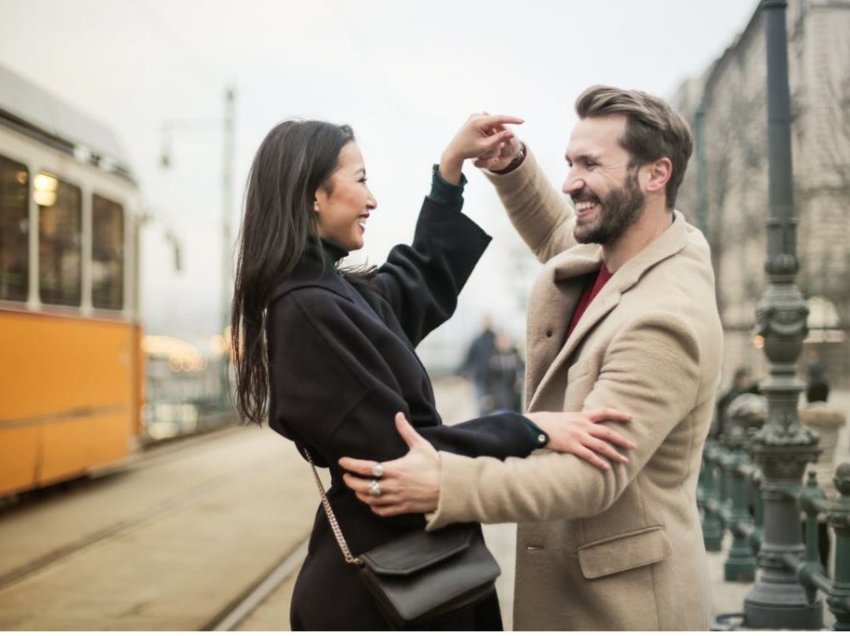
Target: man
x=475 y=363
x=625 y=319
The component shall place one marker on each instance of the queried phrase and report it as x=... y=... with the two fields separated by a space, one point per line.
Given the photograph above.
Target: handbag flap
x=418 y=550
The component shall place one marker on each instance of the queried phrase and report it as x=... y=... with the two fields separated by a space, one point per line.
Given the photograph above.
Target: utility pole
x=782 y=448
x=227 y=172
x=227 y=124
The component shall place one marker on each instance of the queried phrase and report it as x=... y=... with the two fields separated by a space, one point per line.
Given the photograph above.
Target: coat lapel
x=573 y=263
x=554 y=297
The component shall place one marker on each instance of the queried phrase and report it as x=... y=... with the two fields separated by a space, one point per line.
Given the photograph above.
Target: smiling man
x=623 y=315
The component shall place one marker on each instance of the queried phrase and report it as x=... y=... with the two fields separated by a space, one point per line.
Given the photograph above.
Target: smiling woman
x=329 y=352
x=343 y=204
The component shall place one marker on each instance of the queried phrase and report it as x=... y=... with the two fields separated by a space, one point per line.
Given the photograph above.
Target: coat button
x=548 y=333
x=541 y=438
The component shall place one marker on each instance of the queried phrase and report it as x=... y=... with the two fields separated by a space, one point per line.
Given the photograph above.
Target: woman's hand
x=482 y=135
x=582 y=435
x=500 y=157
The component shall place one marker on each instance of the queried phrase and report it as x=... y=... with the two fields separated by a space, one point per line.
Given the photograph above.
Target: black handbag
x=421 y=576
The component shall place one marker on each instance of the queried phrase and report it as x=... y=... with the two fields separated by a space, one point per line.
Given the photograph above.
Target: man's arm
x=651 y=371
x=541 y=215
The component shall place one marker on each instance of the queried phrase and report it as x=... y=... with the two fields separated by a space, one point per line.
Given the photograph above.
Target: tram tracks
x=203 y=534
x=115 y=530
x=245 y=605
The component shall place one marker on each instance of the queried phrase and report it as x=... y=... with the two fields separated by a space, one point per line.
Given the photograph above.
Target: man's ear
x=660 y=172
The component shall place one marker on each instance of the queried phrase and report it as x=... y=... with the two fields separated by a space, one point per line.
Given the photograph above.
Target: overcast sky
x=404 y=74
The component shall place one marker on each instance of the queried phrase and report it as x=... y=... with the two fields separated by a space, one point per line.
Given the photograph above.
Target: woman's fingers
x=493 y=142
x=599 y=415
x=582 y=452
x=603 y=432
x=603 y=448
x=490 y=121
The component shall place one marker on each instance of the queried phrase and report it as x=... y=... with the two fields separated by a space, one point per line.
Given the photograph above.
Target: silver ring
x=378 y=470
x=375 y=488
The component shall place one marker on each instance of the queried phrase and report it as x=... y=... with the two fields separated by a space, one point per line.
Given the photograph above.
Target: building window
x=59 y=241
x=14 y=230
x=107 y=269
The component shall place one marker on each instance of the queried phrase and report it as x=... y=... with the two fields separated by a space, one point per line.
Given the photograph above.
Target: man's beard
x=619 y=210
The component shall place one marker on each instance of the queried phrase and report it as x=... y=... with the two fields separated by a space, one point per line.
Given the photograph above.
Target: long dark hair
x=295 y=159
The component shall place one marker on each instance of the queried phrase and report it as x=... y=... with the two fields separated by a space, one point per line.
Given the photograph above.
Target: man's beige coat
x=619 y=549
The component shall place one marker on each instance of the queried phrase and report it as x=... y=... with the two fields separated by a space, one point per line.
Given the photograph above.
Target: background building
x=725 y=192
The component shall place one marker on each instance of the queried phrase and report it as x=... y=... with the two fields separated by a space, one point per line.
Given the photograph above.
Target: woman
x=331 y=351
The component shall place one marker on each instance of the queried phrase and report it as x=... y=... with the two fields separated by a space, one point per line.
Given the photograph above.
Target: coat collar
x=582 y=259
x=313 y=270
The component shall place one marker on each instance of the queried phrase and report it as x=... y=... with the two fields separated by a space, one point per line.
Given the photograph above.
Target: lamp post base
x=781 y=604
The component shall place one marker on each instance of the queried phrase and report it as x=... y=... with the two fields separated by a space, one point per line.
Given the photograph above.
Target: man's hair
x=653 y=129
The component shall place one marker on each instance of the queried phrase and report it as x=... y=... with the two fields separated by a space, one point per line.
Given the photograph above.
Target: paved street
x=184 y=534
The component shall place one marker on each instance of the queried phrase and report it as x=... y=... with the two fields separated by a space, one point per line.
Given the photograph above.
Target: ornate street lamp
x=782 y=448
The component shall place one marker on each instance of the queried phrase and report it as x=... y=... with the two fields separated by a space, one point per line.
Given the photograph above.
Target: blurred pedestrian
x=504 y=374
x=327 y=353
x=742 y=382
x=815 y=371
x=475 y=363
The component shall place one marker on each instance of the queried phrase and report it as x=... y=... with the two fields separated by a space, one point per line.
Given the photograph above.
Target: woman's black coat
x=342 y=363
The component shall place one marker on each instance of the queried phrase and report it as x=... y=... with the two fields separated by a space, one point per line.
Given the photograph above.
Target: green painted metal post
x=838 y=518
x=712 y=525
x=740 y=564
x=756 y=480
x=810 y=497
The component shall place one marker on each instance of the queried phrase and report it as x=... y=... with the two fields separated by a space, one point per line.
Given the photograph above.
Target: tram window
x=14 y=230
x=59 y=240
x=107 y=254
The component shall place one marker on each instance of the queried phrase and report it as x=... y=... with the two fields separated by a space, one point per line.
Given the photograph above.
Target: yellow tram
x=71 y=368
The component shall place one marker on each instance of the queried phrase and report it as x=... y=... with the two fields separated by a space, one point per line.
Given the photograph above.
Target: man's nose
x=572 y=184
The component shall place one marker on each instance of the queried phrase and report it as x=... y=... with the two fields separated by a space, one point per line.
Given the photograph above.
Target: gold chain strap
x=346 y=553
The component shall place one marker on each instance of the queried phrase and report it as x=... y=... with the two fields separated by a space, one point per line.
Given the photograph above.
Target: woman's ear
x=320 y=198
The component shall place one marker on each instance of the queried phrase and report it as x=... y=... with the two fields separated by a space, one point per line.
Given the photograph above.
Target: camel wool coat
x=620 y=549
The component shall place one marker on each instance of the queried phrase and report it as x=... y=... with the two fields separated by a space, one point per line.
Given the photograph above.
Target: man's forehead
x=595 y=135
